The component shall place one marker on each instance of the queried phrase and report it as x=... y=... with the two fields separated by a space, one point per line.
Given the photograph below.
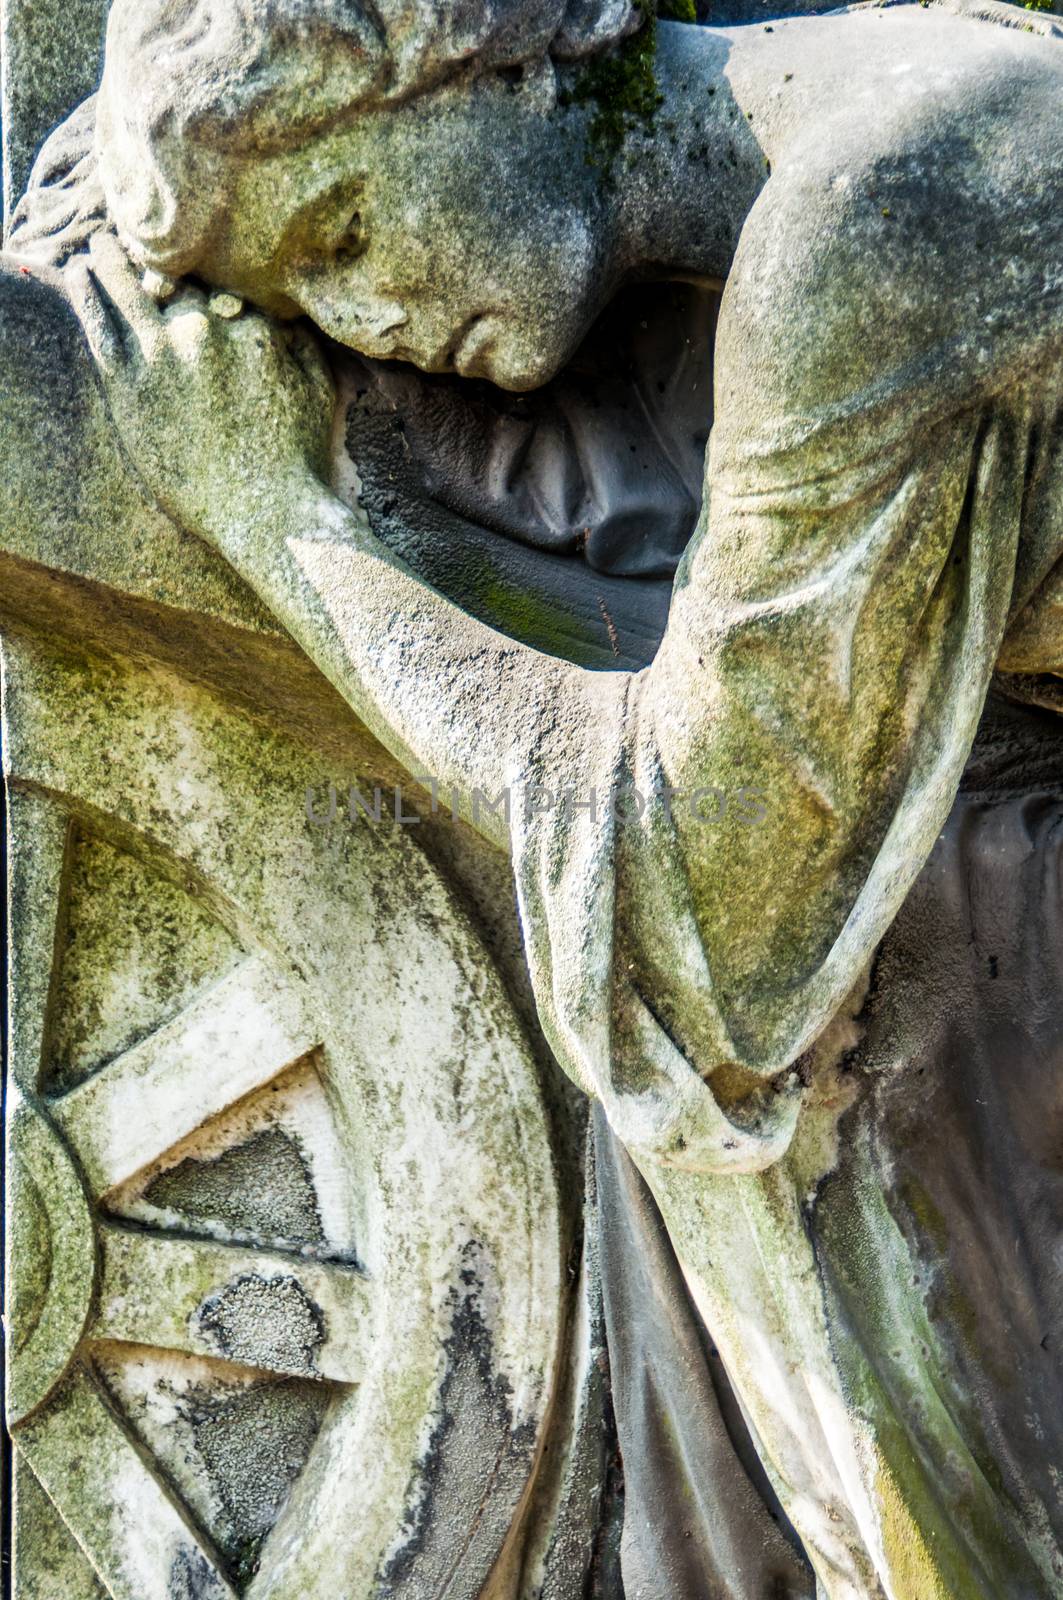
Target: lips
x=465 y=353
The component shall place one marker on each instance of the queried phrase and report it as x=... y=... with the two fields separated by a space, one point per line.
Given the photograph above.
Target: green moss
x=134 y=951
x=246 y=1561
x=622 y=87
x=536 y=618
x=532 y=618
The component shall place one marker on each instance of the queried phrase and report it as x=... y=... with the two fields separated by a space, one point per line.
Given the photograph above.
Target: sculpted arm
x=838 y=614
x=228 y=422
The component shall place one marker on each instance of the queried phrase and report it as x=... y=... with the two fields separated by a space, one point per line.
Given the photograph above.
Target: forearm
x=449 y=697
x=201 y=401
x=833 y=658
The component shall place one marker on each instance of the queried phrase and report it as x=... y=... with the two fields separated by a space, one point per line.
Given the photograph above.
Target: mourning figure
x=781 y=792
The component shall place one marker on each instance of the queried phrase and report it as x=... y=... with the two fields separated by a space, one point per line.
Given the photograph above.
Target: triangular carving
x=230 y=1441
x=134 y=950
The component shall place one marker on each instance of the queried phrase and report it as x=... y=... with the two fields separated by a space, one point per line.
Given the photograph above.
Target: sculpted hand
x=224 y=418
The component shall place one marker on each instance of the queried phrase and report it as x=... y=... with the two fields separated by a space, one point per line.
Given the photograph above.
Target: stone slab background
x=50 y=54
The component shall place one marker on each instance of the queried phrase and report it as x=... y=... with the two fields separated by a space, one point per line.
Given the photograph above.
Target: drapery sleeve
x=831 y=655
x=875 y=477
x=799 y=740
x=767 y=793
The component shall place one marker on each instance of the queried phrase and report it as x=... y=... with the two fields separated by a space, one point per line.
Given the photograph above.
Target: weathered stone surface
x=50 y=56
x=302 y=653
x=189 y=1291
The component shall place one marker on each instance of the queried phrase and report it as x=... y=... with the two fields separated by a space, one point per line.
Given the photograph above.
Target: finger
x=261 y=348
x=138 y=319
x=312 y=361
x=189 y=331
x=252 y=327
x=188 y=299
x=159 y=286
x=225 y=305
x=187 y=323
x=100 y=333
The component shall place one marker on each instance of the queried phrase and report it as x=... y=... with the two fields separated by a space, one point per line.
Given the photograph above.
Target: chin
x=519 y=372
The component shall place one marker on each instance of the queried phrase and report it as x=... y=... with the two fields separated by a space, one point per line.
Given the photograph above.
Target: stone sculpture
x=783 y=840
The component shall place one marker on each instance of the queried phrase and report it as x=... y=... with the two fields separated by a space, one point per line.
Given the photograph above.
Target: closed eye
x=352 y=241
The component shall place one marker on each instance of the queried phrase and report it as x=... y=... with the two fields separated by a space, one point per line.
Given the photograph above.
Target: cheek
x=561 y=290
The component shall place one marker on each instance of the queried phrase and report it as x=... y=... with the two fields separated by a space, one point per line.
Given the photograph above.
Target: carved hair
x=188 y=84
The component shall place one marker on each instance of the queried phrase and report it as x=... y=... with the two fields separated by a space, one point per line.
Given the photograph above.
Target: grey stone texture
x=322 y=329
x=50 y=57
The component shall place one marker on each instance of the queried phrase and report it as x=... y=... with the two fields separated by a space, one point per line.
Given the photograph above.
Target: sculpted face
x=463 y=231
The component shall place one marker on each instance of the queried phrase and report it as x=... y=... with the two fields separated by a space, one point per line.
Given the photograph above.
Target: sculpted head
x=399 y=171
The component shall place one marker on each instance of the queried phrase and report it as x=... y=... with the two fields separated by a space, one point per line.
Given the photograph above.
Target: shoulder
x=51 y=407
x=68 y=501
x=40 y=336
x=899 y=235
x=52 y=419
